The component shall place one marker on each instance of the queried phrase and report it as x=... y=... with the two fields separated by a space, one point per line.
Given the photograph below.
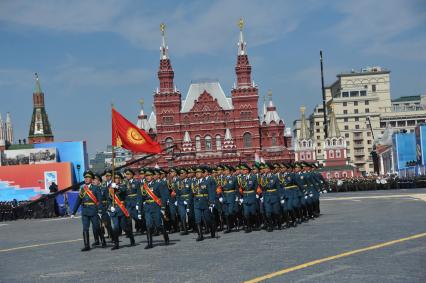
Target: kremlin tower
x=40 y=130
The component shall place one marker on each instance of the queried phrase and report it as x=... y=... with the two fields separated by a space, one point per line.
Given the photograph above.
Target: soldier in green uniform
x=88 y=197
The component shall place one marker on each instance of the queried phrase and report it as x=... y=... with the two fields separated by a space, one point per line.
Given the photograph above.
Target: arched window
x=302 y=156
x=336 y=174
x=308 y=156
x=344 y=175
x=186 y=120
x=337 y=153
x=328 y=175
x=208 y=141
x=304 y=143
x=247 y=140
x=197 y=143
x=169 y=142
x=218 y=143
x=334 y=142
x=331 y=154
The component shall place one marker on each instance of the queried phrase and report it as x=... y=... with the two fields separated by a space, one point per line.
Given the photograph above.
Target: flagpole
x=113 y=151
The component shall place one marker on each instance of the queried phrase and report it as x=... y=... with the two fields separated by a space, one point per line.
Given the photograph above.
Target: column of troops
x=200 y=199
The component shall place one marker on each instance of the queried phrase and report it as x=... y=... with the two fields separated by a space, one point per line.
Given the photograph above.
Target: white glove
x=113 y=185
x=112 y=209
x=187 y=210
x=311 y=195
x=72 y=216
x=325 y=191
x=163 y=212
x=175 y=203
x=137 y=207
x=211 y=209
x=221 y=199
x=236 y=198
x=257 y=196
x=306 y=197
x=261 y=199
x=139 y=217
x=184 y=202
x=100 y=215
x=282 y=201
x=241 y=200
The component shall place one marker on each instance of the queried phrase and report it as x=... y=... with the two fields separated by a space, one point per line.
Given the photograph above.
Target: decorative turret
x=243 y=68
x=142 y=119
x=229 y=141
x=304 y=149
x=271 y=112
x=187 y=143
x=333 y=128
x=304 y=131
x=9 y=129
x=165 y=73
x=2 y=134
x=40 y=130
x=335 y=144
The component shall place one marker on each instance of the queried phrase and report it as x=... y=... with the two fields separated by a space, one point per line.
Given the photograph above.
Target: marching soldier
x=171 y=184
x=106 y=220
x=153 y=196
x=132 y=186
x=120 y=216
x=270 y=193
x=88 y=197
x=248 y=184
x=229 y=186
x=97 y=181
x=184 y=200
x=204 y=198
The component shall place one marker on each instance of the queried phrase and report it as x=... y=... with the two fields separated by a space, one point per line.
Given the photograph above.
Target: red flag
x=125 y=134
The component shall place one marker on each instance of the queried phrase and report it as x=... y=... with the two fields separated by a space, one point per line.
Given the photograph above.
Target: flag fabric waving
x=126 y=135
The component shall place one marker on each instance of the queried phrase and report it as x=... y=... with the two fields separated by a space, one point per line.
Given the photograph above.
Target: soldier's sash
x=151 y=194
x=90 y=194
x=121 y=206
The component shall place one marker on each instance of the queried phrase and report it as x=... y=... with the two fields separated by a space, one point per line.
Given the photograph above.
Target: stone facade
x=208 y=127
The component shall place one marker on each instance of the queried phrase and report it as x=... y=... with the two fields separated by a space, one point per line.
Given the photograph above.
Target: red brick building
x=209 y=127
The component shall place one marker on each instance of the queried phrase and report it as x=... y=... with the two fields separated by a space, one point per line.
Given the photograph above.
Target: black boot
x=149 y=239
x=185 y=229
x=166 y=236
x=96 y=236
x=200 y=233
x=132 y=239
x=114 y=236
x=228 y=224
x=248 y=229
x=101 y=235
x=86 y=241
x=269 y=223
x=213 y=230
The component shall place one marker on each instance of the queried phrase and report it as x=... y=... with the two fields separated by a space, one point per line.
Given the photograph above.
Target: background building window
x=345 y=104
x=218 y=143
x=346 y=127
x=367 y=102
x=197 y=143
x=373 y=88
x=345 y=111
x=355 y=103
x=347 y=135
x=345 y=94
x=208 y=141
x=247 y=140
x=356 y=111
x=367 y=110
x=363 y=93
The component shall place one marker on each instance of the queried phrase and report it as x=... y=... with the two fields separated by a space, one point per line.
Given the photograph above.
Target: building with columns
x=209 y=127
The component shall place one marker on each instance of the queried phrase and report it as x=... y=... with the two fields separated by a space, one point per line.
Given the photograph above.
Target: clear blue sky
x=92 y=53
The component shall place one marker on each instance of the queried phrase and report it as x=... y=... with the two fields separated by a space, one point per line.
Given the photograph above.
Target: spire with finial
x=241 y=43
x=333 y=128
x=264 y=108
x=37 y=84
x=304 y=131
x=164 y=49
x=142 y=119
x=165 y=72
x=243 y=68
